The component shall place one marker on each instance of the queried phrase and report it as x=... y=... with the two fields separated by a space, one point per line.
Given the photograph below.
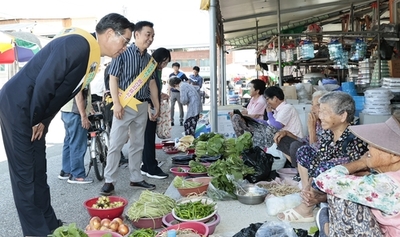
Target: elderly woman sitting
x=336 y=112
x=296 y=147
x=280 y=116
x=365 y=205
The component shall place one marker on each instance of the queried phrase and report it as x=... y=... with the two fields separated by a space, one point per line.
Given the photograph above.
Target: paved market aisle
x=235 y=215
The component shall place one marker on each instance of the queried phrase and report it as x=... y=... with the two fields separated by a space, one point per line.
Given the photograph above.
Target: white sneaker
x=86 y=180
x=143 y=173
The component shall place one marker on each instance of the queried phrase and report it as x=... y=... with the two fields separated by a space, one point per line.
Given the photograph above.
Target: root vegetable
x=105 y=222
x=114 y=226
x=95 y=223
x=119 y=220
x=123 y=229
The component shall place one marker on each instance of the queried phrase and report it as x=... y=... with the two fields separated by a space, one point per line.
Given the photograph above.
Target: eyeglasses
x=127 y=44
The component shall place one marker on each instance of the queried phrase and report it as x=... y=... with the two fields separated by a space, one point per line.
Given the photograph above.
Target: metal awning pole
x=222 y=92
x=213 y=66
x=256 y=46
x=279 y=44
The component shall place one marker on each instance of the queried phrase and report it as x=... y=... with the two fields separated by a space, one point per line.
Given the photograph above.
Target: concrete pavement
x=67 y=199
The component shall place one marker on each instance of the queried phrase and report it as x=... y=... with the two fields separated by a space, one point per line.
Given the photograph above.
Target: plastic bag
x=279 y=157
x=163 y=129
x=302 y=94
x=261 y=162
x=276 y=229
x=182 y=159
x=386 y=50
x=217 y=194
x=249 y=231
x=277 y=205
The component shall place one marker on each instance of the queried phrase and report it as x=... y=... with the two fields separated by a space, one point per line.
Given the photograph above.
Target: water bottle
x=335 y=50
x=307 y=50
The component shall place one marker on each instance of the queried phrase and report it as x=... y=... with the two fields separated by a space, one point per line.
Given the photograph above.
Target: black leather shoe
x=142 y=185
x=107 y=189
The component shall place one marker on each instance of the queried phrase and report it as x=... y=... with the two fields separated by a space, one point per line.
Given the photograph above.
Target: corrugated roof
x=239 y=17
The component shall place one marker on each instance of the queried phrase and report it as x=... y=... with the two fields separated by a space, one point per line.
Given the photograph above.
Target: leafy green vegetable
x=244 y=142
x=107 y=235
x=201 y=148
x=69 y=231
x=143 y=233
x=232 y=165
x=215 y=145
x=180 y=182
x=204 y=137
x=197 y=167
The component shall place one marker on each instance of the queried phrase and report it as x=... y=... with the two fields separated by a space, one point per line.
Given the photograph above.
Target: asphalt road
x=67 y=199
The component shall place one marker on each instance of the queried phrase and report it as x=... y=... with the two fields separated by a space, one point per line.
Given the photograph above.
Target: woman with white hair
x=368 y=204
x=336 y=112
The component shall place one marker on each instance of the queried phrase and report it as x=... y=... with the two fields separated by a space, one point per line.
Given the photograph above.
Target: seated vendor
x=256 y=107
x=293 y=146
x=280 y=116
x=365 y=204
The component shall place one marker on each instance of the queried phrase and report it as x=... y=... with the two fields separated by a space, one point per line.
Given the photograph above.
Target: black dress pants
x=150 y=164
x=28 y=174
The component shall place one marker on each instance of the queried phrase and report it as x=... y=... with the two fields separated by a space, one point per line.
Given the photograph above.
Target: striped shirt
x=128 y=66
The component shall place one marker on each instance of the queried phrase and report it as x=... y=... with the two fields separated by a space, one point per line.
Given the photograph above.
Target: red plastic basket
x=105 y=213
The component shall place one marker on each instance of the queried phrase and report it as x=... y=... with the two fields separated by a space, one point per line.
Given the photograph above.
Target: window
x=188 y=63
x=205 y=62
x=2 y=67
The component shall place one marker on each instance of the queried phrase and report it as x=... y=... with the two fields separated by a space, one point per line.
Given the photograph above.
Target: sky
x=176 y=22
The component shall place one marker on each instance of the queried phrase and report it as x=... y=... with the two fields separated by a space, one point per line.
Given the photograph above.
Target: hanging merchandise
x=335 y=50
x=290 y=52
x=358 y=50
x=307 y=50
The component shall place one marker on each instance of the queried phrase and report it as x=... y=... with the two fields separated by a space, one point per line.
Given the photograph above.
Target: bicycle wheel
x=104 y=142
x=98 y=164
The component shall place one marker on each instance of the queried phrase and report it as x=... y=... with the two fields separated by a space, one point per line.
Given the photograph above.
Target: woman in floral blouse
x=300 y=151
x=336 y=112
x=357 y=204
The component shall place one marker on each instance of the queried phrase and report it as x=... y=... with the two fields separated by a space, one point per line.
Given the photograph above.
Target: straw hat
x=384 y=136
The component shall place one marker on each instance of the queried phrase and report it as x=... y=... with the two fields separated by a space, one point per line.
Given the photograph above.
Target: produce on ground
x=184 y=143
x=180 y=182
x=194 y=210
x=197 y=167
x=183 y=233
x=213 y=144
x=68 y=231
x=170 y=149
x=222 y=168
x=150 y=205
x=115 y=225
x=143 y=233
x=279 y=189
x=103 y=202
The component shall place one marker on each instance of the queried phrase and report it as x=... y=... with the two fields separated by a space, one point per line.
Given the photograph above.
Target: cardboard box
x=290 y=92
x=394 y=67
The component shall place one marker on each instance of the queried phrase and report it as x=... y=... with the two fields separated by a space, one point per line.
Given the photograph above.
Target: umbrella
x=18 y=46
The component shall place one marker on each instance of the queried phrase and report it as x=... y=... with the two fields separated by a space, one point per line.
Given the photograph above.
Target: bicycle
x=98 y=135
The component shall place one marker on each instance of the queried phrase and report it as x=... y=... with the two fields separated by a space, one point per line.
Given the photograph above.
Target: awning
x=241 y=17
